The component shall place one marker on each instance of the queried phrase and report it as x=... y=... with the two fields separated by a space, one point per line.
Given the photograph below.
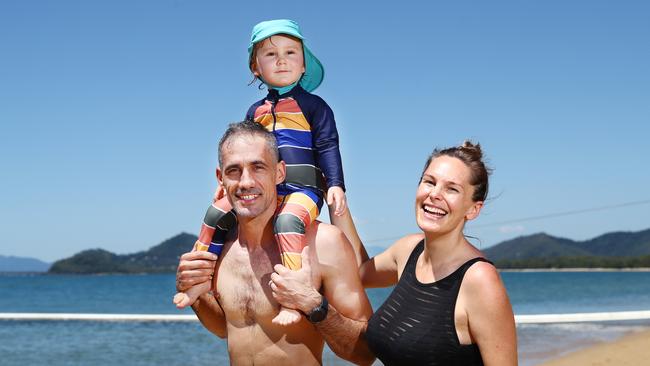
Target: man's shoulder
x=328 y=241
x=321 y=233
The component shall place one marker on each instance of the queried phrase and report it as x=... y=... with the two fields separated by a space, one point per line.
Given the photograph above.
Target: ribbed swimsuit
x=415 y=326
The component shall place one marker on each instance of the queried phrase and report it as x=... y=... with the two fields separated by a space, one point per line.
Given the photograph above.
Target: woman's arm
x=490 y=317
x=384 y=269
x=346 y=225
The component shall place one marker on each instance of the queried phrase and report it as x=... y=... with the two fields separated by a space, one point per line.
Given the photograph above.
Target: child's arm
x=325 y=140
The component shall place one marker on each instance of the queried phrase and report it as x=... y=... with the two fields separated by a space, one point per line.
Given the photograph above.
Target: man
x=249 y=172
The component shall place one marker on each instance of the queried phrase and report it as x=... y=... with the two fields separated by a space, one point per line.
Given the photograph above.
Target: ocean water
x=55 y=343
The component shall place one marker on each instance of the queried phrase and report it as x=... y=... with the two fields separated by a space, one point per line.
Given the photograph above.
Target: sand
x=632 y=349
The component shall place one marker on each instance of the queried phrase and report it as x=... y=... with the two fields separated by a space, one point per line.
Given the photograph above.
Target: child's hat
x=314 y=70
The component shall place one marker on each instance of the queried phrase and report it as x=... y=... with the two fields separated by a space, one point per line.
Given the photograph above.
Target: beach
x=631 y=349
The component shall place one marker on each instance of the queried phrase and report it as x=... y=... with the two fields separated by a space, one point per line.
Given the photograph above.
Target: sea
x=59 y=343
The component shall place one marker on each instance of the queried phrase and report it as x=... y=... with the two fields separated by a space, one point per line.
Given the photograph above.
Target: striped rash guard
x=304 y=127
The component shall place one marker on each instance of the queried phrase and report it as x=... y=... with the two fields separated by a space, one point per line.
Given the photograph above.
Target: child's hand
x=219 y=194
x=336 y=198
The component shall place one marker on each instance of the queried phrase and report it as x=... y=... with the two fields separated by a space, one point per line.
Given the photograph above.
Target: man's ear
x=219 y=176
x=474 y=211
x=281 y=172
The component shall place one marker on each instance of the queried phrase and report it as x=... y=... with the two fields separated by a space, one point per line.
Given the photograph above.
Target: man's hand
x=194 y=268
x=293 y=289
x=336 y=199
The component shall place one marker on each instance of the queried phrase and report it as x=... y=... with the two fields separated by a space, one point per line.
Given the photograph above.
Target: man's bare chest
x=242 y=284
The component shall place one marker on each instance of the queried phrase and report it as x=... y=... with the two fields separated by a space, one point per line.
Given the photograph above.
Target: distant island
x=162 y=258
x=22 y=264
x=611 y=250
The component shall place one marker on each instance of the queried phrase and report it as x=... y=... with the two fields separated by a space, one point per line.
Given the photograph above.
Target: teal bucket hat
x=314 y=71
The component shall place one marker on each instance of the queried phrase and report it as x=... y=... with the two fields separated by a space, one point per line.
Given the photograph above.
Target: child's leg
x=296 y=212
x=217 y=221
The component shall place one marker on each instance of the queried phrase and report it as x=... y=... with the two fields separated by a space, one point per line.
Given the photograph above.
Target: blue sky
x=110 y=112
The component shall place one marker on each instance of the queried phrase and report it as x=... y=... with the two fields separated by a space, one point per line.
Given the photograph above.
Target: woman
x=449 y=306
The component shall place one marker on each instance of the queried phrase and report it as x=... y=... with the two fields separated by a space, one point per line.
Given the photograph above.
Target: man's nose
x=246 y=180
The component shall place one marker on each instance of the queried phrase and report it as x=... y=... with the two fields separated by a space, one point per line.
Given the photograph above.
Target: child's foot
x=187 y=298
x=287 y=317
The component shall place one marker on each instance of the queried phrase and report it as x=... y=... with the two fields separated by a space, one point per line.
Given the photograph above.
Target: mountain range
x=616 y=249
x=158 y=259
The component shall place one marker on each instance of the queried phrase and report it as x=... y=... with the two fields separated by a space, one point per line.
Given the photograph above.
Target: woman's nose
x=435 y=191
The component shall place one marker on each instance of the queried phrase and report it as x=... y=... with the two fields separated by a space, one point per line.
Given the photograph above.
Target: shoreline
x=577 y=269
x=630 y=349
x=515 y=270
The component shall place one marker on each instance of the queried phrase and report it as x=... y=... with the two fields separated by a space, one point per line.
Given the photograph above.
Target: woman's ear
x=474 y=210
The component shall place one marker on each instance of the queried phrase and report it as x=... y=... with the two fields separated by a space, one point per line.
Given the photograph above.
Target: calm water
x=130 y=343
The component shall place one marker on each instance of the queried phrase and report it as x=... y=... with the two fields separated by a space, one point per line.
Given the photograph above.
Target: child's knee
x=287 y=223
x=216 y=217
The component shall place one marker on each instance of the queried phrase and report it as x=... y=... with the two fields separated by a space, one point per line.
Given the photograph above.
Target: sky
x=110 y=112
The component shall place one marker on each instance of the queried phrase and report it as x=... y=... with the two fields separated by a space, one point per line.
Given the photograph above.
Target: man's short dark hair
x=250 y=128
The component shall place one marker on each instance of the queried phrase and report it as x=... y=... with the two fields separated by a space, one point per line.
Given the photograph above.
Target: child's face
x=279 y=60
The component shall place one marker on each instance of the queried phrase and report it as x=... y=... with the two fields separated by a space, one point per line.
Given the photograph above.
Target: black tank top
x=415 y=326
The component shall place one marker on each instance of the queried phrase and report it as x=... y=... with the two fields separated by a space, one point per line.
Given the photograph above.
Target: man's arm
x=198 y=267
x=332 y=263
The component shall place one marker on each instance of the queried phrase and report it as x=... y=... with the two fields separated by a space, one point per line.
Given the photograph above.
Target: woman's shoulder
x=402 y=248
x=482 y=279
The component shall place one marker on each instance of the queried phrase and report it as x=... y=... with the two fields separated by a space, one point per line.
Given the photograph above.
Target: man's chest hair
x=242 y=284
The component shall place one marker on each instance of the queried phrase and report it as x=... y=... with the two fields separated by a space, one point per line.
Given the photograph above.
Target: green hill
x=160 y=258
x=611 y=250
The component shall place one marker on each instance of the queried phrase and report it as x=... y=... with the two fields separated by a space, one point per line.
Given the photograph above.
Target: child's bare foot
x=287 y=317
x=187 y=298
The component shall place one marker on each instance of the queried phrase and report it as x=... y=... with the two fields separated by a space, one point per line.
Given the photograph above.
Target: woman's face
x=443 y=201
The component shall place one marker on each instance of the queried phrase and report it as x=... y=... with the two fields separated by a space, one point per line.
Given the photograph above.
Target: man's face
x=249 y=174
